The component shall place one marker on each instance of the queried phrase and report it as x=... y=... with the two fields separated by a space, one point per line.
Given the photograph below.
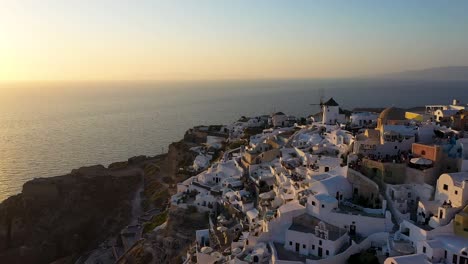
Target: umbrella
x=421 y=161
x=206 y=250
x=217 y=255
x=236 y=251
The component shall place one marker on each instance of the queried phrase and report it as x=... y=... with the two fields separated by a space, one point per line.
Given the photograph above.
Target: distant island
x=431 y=74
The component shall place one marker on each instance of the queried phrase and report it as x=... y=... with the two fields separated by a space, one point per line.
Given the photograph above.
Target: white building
x=339 y=137
x=451 y=195
x=308 y=235
x=331 y=113
x=436 y=246
x=280 y=119
x=392 y=135
x=220 y=171
x=456 y=105
x=453 y=188
x=445 y=249
x=335 y=186
x=441 y=115
x=404 y=196
x=201 y=161
x=363 y=119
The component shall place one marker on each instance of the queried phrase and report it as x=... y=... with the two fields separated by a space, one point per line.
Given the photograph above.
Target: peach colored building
x=431 y=152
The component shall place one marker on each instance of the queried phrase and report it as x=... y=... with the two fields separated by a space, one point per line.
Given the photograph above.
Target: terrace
x=287 y=255
x=350 y=208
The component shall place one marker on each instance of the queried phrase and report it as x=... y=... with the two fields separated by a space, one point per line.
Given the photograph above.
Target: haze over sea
x=48 y=129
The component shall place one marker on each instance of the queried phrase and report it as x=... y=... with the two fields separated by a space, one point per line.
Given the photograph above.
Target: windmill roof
x=331 y=102
x=278 y=113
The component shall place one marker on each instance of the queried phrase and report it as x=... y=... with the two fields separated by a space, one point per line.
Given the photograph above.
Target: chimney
x=455 y=102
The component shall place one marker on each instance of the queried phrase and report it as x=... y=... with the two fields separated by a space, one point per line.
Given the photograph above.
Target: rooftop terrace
x=306 y=223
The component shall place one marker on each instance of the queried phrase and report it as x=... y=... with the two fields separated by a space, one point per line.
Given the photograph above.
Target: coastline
x=54 y=210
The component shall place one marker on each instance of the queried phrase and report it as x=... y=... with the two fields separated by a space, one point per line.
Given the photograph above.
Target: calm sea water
x=48 y=129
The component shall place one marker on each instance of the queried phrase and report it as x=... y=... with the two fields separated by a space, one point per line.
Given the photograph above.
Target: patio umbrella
x=206 y=250
x=421 y=161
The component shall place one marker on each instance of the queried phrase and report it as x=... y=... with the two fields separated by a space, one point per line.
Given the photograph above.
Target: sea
x=49 y=128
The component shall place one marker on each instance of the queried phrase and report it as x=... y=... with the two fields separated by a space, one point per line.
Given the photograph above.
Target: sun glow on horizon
x=197 y=40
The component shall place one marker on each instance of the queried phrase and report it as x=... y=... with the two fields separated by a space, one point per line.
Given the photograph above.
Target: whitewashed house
x=451 y=194
x=445 y=249
x=363 y=119
x=279 y=119
x=443 y=115
x=453 y=188
x=308 y=235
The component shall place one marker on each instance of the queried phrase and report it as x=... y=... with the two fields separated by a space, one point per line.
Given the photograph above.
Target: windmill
x=321 y=93
x=320 y=104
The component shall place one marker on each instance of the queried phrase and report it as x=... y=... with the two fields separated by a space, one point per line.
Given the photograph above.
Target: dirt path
x=137 y=210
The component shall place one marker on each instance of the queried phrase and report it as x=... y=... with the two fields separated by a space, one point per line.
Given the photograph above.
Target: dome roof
x=393 y=113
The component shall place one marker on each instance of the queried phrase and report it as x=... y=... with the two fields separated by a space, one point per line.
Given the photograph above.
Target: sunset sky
x=185 y=40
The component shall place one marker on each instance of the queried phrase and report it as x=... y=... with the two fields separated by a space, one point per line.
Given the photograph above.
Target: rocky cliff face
x=169 y=244
x=179 y=156
x=63 y=216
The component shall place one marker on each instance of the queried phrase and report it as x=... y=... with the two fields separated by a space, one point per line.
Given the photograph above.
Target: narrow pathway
x=137 y=210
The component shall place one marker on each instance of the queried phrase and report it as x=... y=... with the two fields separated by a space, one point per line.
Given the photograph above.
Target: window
x=320 y=242
x=396 y=147
x=423 y=152
x=327 y=169
x=327 y=252
x=445 y=254
x=313 y=247
x=303 y=246
x=424 y=249
x=454 y=259
x=446 y=187
x=456 y=192
x=290 y=243
x=313 y=203
x=323 y=206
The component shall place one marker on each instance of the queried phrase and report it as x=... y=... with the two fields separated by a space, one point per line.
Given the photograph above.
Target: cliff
x=66 y=215
x=67 y=218
x=169 y=244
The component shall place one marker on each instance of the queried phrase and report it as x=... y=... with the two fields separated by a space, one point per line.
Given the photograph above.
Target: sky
x=200 y=39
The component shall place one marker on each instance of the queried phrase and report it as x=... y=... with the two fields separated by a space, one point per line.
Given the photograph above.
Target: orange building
x=431 y=152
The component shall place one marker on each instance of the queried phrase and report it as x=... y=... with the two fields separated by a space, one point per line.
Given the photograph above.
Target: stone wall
x=362 y=186
x=384 y=172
